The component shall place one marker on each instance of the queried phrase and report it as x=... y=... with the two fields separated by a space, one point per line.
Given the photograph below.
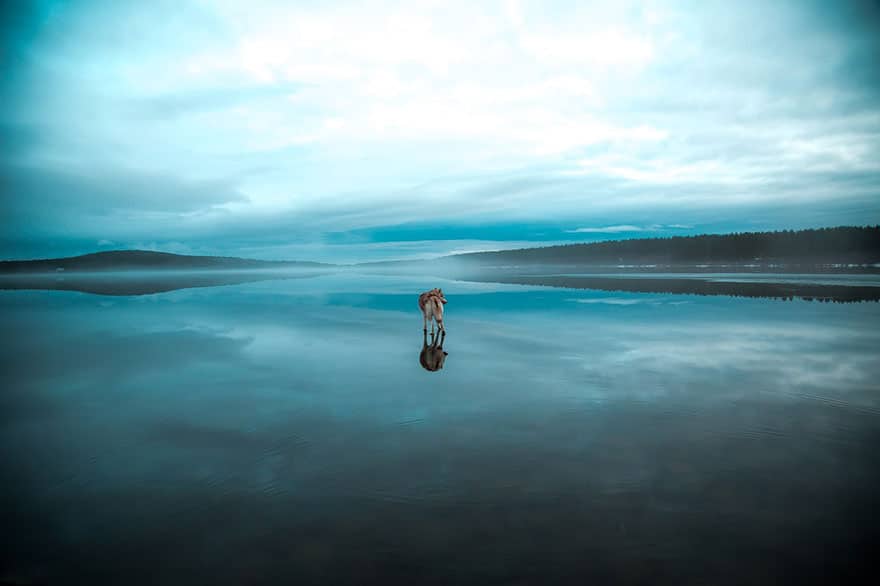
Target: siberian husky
x=431 y=303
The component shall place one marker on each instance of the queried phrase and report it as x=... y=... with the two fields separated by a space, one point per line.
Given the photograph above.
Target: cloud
x=629 y=228
x=102 y=203
x=101 y=191
x=608 y=229
x=180 y=104
x=263 y=124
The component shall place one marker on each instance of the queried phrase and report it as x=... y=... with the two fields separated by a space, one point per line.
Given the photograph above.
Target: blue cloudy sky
x=346 y=131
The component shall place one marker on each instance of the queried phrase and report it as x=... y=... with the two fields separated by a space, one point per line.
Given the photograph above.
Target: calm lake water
x=285 y=432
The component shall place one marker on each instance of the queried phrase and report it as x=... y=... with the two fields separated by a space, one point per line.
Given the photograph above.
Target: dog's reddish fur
x=431 y=303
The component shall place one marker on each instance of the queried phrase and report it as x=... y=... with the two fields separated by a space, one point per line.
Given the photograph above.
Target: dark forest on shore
x=840 y=245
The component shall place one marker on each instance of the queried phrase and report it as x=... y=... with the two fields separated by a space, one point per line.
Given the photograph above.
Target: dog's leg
x=426 y=323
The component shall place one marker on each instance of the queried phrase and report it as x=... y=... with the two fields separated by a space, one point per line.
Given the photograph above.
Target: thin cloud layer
x=269 y=128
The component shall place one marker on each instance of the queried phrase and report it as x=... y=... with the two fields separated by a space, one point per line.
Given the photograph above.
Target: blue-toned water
x=286 y=432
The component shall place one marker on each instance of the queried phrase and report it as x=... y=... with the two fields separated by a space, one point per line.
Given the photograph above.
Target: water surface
x=285 y=431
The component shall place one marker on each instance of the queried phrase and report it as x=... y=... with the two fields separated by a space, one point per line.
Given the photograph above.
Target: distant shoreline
x=823 y=250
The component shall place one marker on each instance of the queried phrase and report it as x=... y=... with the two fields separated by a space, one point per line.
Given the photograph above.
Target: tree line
x=844 y=244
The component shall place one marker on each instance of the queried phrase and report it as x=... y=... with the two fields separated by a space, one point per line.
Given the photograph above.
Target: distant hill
x=144 y=260
x=815 y=248
x=843 y=245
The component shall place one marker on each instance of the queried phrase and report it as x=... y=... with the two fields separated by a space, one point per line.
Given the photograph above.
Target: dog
x=431 y=303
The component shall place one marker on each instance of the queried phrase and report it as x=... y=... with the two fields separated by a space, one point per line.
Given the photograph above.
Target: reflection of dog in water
x=433 y=355
x=431 y=303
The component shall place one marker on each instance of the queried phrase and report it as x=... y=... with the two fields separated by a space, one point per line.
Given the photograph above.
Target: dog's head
x=439 y=293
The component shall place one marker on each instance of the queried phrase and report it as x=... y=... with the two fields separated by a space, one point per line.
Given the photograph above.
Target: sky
x=360 y=131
